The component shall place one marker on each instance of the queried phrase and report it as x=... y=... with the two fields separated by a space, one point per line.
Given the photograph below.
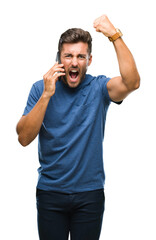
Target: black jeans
x=80 y=214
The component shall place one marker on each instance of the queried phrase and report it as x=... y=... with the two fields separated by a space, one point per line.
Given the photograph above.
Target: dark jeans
x=80 y=214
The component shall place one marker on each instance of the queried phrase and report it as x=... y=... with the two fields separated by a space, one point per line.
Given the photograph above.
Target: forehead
x=75 y=48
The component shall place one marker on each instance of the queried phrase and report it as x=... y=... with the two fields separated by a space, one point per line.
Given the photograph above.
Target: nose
x=74 y=62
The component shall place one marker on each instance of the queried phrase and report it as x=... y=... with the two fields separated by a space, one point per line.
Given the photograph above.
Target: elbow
x=23 y=137
x=137 y=83
x=136 y=80
x=23 y=141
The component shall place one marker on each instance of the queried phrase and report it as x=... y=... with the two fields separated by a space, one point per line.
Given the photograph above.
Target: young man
x=69 y=116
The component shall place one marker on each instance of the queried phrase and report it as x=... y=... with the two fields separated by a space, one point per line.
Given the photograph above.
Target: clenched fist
x=103 y=24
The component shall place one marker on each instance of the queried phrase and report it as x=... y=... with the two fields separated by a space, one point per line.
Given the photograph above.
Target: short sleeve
x=33 y=98
x=103 y=80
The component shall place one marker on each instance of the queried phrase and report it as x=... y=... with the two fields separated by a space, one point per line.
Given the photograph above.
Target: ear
x=90 y=60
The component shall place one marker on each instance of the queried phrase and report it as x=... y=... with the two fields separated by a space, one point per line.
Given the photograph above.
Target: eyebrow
x=80 y=54
x=67 y=54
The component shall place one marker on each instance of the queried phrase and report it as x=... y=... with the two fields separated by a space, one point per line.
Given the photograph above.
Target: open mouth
x=73 y=74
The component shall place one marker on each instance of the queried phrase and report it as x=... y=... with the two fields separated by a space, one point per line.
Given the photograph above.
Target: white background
x=30 y=31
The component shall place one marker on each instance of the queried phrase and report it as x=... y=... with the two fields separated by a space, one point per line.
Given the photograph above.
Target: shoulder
x=39 y=84
x=38 y=87
x=101 y=83
x=101 y=80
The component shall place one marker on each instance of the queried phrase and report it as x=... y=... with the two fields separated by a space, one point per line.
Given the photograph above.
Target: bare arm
x=29 y=126
x=119 y=87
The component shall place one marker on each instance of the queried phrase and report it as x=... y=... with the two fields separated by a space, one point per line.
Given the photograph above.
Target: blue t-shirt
x=70 y=144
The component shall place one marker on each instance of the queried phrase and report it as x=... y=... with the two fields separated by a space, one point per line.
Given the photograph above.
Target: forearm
x=127 y=66
x=29 y=125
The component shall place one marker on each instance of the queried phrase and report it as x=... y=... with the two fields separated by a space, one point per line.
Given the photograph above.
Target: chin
x=72 y=83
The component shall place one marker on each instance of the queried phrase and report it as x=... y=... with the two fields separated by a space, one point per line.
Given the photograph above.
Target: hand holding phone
x=51 y=77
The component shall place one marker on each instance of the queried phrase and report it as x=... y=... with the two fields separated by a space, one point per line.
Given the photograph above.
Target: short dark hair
x=75 y=35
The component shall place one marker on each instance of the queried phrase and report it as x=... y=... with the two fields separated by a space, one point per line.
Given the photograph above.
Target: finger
x=59 y=70
x=51 y=70
x=97 y=20
x=55 y=65
x=95 y=24
x=60 y=64
x=54 y=69
x=98 y=30
x=57 y=75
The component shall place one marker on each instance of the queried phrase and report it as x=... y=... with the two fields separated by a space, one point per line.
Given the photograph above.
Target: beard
x=81 y=73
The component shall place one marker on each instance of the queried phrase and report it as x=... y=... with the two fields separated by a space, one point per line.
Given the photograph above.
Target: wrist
x=116 y=35
x=112 y=32
x=46 y=95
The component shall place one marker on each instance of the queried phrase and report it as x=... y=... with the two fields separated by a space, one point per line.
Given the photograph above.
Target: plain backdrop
x=30 y=31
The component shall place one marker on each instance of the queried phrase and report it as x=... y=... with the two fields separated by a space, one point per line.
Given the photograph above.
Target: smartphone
x=58 y=60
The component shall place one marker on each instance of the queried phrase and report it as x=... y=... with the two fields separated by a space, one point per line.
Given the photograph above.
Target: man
x=69 y=116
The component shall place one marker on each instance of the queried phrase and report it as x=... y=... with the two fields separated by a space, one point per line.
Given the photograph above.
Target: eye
x=68 y=56
x=82 y=57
